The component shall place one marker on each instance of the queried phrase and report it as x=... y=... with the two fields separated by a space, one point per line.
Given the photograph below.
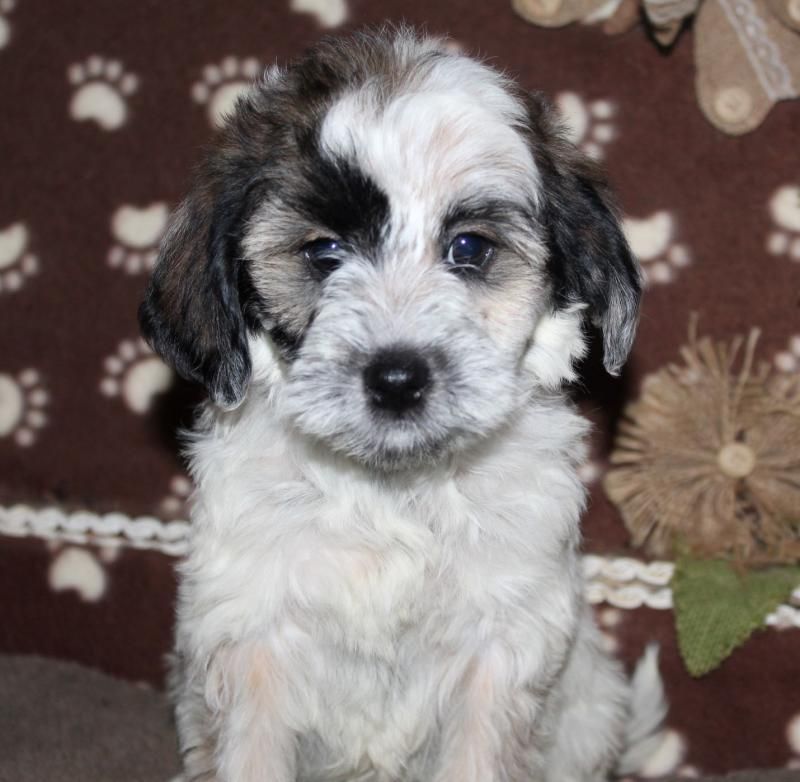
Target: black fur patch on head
x=341 y=197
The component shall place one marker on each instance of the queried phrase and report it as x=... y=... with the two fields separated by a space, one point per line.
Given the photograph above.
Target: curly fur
x=383 y=597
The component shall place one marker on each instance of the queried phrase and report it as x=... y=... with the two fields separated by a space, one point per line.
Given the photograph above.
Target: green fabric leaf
x=718 y=608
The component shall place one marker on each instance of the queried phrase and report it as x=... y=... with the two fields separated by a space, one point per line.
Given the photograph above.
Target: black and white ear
x=192 y=313
x=589 y=258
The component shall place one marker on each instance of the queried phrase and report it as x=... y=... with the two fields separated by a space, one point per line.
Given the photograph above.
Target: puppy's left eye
x=469 y=252
x=324 y=255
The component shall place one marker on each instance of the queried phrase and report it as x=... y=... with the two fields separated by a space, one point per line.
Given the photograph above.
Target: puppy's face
x=399 y=222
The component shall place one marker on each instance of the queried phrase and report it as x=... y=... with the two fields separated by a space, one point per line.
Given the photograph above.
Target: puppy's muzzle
x=397 y=380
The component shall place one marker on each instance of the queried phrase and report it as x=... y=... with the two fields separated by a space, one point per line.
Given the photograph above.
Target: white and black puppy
x=381 y=277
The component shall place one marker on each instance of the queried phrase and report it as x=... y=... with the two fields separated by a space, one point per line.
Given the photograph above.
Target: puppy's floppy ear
x=193 y=312
x=589 y=257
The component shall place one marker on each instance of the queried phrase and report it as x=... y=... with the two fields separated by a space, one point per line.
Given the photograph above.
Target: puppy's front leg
x=247 y=692
x=489 y=734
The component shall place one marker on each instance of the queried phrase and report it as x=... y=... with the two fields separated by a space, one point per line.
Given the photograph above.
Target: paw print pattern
x=6 y=7
x=588 y=123
x=789 y=360
x=590 y=472
x=102 y=88
x=328 y=13
x=23 y=402
x=80 y=569
x=136 y=375
x=453 y=46
x=793 y=738
x=174 y=505
x=652 y=241
x=137 y=232
x=222 y=85
x=16 y=262
x=784 y=207
x=667 y=759
x=608 y=621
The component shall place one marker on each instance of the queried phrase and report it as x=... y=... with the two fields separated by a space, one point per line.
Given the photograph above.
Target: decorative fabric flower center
x=736 y=460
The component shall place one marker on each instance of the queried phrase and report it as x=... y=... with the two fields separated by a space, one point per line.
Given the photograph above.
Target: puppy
x=381 y=276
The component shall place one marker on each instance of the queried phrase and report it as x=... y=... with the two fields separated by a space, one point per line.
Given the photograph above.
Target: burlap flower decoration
x=708 y=459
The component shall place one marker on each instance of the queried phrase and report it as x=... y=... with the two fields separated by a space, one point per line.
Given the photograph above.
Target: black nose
x=396 y=379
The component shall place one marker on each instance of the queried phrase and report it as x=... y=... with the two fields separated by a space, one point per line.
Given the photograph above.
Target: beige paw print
x=23 y=402
x=589 y=124
x=102 y=88
x=608 y=622
x=789 y=360
x=17 y=263
x=80 y=569
x=328 y=13
x=6 y=7
x=137 y=233
x=135 y=375
x=590 y=472
x=174 y=505
x=221 y=86
x=452 y=46
x=784 y=207
x=668 y=758
x=793 y=738
x=652 y=240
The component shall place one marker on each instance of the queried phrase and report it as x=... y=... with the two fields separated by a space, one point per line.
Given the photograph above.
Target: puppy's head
x=413 y=237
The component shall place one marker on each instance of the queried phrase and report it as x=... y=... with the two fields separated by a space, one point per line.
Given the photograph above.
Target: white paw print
x=608 y=621
x=102 y=89
x=174 y=505
x=452 y=46
x=80 y=569
x=784 y=206
x=22 y=406
x=16 y=263
x=652 y=241
x=668 y=757
x=590 y=472
x=6 y=7
x=138 y=232
x=793 y=738
x=222 y=85
x=328 y=13
x=588 y=123
x=135 y=374
x=789 y=360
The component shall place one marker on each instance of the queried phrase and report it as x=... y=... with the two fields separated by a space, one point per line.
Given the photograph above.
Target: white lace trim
x=622 y=582
x=112 y=529
x=625 y=582
x=761 y=50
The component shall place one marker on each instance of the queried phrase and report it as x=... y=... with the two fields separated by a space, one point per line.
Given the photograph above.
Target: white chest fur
x=283 y=530
x=354 y=582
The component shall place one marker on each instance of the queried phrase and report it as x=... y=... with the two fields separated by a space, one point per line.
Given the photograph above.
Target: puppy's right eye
x=324 y=255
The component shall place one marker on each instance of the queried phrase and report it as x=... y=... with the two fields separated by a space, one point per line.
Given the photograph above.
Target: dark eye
x=469 y=252
x=324 y=255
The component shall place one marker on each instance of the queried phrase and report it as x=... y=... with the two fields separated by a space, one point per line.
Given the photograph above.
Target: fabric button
x=736 y=460
x=733 y=104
